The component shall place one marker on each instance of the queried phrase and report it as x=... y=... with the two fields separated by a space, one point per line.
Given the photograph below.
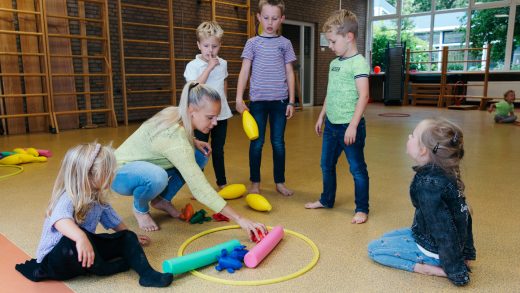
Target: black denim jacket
x=442 y=223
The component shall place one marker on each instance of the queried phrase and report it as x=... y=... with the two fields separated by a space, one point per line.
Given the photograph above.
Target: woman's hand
x=85 y=252
x=252 y=228
x=202 y=146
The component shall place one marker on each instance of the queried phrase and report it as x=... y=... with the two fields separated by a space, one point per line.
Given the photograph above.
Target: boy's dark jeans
x=275 y=112
x=332 y=146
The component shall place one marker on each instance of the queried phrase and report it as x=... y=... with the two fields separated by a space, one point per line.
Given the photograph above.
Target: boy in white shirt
x=207 y=68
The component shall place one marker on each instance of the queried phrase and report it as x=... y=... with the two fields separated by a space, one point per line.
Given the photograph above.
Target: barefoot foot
x=166 y=206
x=429 y=270
x=255 y=187
x=314 y=205
x=359 y=218
x=145 y=221
x=281 y=188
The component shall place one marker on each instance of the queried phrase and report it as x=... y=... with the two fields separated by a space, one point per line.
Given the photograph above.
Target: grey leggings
x=505 y=119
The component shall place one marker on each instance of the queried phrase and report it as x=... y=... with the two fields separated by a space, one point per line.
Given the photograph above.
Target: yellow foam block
x=250 y=126
x=232 y=191
x=258 y=202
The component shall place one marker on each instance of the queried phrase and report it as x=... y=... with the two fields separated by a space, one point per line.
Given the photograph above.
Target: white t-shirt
x=215 y=80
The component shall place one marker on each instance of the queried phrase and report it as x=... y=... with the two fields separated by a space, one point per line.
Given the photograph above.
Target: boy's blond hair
x=342 y=22
x=209 y=29
x=278 y=3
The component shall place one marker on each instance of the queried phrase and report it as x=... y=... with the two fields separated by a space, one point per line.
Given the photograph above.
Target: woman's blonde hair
x=342 y=22
x=193 y=94
x=445 y=143
x=85 y=175
x=209 y=29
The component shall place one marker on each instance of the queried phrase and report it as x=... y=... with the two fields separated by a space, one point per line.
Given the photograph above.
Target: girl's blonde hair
x=193 y=94
x=445 y=143
x=342 y=22
x=209 y=29
x=85 y=175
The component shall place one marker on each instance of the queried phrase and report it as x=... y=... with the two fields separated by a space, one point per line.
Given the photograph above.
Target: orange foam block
x=255 y=256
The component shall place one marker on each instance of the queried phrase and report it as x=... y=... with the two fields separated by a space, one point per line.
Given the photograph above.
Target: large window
x=426 y=25
x=385 y=32
x=515 y=60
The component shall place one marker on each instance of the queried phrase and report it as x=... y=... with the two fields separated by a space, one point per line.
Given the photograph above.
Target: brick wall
x=189 y=13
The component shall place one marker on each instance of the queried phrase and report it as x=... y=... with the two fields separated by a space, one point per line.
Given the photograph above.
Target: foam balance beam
x=255 y=256
x=192 y=261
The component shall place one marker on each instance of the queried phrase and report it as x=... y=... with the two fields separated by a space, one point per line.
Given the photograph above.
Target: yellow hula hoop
x=305 y=269
x=20 y=170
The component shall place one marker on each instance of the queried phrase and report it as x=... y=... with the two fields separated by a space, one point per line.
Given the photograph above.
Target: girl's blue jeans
x=332 y=146
x=145 y=181
x=398 y=249
x=274 y=111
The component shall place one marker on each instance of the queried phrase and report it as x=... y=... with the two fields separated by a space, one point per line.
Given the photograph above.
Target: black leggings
x=218 y=140
x=114 y=253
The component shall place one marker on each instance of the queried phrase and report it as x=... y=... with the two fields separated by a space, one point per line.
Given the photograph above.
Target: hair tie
x=93 y=156
x=435 y=148
x=455 y=139
x=192 y=86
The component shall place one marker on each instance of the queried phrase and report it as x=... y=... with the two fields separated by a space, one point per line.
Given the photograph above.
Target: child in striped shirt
x=268 y=57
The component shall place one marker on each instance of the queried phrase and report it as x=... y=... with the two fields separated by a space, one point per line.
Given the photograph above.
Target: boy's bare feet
x=145 y=222
x=164 y=205
x=429 y=270
x=314 y=205
x=255 y=187
x=359 y=218
x=281 y=188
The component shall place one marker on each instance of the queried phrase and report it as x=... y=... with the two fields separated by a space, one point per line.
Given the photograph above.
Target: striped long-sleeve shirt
x=269 y=55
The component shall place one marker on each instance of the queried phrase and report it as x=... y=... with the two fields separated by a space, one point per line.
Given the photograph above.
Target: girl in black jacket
x=440 y=241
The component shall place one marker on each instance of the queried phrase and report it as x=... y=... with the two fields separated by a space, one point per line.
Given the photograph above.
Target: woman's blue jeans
x=332 y=146
x=145 y=181
x=275 y=112
x=398 y=249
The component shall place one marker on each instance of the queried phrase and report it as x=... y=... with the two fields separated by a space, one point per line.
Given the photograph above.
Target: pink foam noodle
x=255 y=256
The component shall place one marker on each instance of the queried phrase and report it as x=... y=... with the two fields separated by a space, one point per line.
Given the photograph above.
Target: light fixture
x=501 y=15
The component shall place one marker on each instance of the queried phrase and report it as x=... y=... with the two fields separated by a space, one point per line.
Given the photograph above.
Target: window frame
x=472 y=5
